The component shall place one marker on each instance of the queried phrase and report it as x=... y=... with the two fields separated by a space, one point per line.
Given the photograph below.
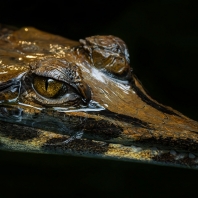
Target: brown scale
x=88 y=93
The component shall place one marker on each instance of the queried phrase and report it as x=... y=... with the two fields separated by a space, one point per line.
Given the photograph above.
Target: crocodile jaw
x=120 y=121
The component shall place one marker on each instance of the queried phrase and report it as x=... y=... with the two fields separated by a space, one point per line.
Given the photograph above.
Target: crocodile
x=82 y=98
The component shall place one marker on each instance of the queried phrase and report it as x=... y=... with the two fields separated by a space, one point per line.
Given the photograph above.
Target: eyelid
x=51 y=72
x=67 y=98
x=69 y=75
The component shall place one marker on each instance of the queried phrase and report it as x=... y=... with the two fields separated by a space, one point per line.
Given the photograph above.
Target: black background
x=163 y=43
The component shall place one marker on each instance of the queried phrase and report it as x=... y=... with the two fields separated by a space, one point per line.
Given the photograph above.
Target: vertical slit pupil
x=46 y=84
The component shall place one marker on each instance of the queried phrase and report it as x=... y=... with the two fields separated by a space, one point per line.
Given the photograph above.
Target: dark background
x=162 y=37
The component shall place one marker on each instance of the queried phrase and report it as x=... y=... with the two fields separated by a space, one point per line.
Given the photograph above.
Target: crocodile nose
x=140 y=118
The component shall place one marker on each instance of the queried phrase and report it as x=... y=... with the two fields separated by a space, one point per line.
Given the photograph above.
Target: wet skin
x=82 y=98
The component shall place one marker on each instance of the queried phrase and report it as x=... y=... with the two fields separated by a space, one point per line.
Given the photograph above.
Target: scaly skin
x=81 y=98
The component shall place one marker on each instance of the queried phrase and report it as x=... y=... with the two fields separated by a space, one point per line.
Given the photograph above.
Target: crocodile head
x=62 y=96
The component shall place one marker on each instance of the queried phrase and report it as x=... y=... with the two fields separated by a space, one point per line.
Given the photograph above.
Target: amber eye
x=47 y=87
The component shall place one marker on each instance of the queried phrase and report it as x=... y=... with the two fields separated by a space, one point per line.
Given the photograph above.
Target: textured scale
x=97 y=108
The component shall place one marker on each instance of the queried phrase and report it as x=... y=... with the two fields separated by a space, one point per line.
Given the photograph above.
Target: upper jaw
x=123 y=114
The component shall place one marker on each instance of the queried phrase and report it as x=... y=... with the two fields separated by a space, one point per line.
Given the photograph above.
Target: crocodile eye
x=56 y=82
x=47 y=87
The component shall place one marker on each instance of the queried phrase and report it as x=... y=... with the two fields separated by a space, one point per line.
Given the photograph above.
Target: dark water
x=162 y=37
x=33 y=175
